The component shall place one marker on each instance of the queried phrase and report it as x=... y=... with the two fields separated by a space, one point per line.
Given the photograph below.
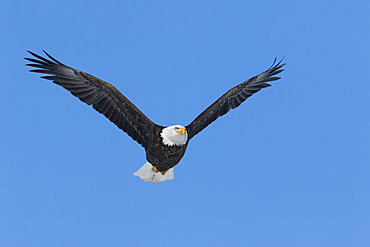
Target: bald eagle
x=164 y=146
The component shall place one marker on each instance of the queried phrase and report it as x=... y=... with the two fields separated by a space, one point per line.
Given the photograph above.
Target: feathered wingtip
x=274 y=69
x=277 y=64
x=42 y=60
x=44 y=65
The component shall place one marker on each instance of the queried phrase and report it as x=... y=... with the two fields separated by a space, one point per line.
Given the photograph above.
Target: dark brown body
x=162 y=156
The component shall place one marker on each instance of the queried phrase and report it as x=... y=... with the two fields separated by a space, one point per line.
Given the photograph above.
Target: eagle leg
x=154 y=169
x=164 y=172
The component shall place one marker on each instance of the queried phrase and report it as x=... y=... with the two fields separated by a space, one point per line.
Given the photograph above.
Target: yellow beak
x=181 y=131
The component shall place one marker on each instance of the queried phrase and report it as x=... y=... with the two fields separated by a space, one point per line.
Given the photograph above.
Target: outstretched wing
x=233 y=98
x=103 y=97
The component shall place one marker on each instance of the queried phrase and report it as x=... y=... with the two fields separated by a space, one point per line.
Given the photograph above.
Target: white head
x=174 y=135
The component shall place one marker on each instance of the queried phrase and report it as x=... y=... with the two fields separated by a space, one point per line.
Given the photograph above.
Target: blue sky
x=290 y=167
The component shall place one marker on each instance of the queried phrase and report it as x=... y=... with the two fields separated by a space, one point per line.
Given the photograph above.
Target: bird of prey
x=164 y=146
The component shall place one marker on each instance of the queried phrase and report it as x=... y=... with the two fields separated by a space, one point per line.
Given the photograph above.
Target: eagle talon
x=154 y=169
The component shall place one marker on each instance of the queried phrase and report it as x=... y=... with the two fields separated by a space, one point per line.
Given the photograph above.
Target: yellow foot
x=154 y=169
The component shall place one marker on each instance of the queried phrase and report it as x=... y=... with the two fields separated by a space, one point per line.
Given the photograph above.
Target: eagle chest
x=165 y=157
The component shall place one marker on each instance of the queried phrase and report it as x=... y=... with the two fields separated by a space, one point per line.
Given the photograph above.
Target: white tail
x=147 y=174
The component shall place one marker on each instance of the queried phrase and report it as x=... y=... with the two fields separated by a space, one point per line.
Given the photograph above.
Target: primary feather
x=233 y=98
x=103 y=97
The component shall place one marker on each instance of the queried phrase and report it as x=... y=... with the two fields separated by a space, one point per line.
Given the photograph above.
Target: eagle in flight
x=164 y=146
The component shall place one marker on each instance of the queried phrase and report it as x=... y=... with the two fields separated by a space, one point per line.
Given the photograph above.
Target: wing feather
x=103 y=97
x=233 y=98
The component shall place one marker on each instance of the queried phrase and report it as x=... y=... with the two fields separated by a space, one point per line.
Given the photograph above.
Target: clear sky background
x=289 y=167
